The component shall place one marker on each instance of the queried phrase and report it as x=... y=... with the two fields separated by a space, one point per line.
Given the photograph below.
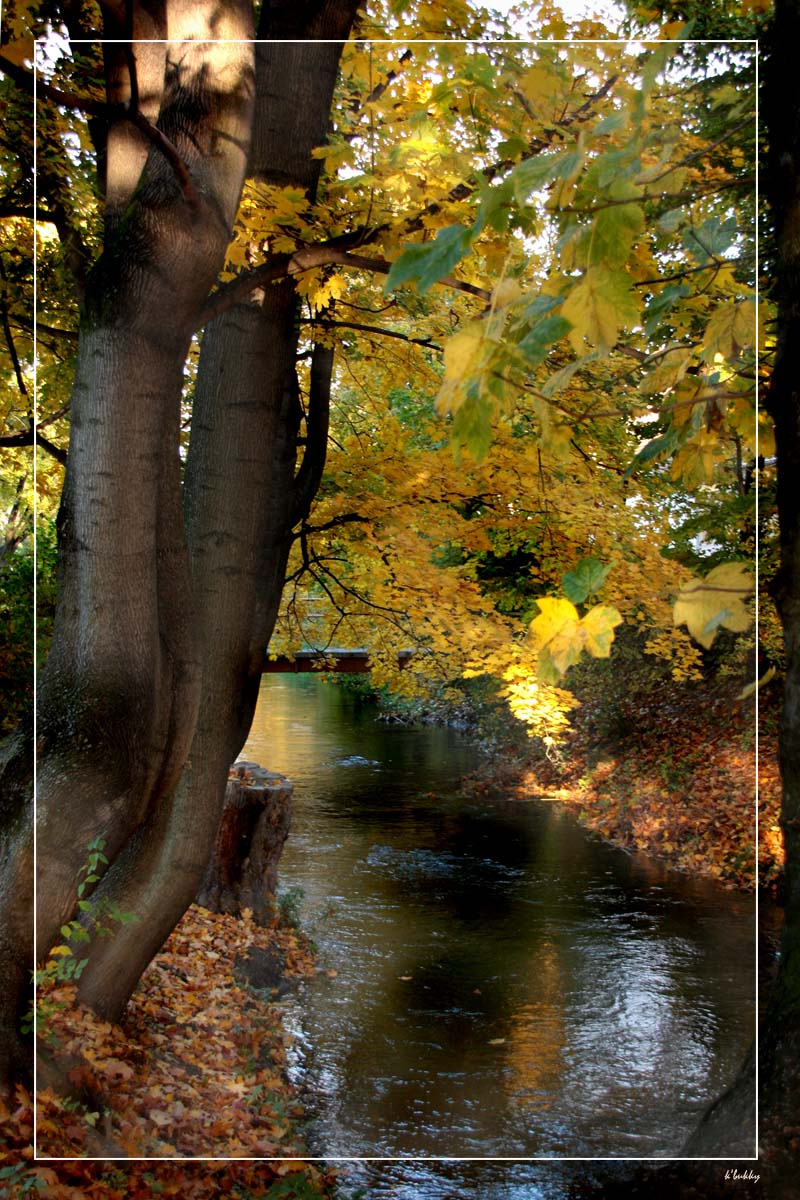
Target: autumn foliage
x=197 y=1069
x=531 y=269
x=679 y=782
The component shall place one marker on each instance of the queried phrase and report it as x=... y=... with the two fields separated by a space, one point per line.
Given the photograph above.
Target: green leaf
x=563 y=376
x=538 y=341
x=665 y=444
x=532 y=174
x=609 y=124
x=660 y=305
x=431 y=261
x=588 y=577
x=614 y=230
x=711 y=239
x=472 y=427
x=495 y=207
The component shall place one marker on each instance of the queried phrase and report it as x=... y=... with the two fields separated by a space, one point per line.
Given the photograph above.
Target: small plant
x=63 y=964
x=289 y=905
x=18 y=1181
x=69 y=1104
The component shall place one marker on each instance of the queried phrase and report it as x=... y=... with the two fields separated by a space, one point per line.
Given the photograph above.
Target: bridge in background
x=351 y=662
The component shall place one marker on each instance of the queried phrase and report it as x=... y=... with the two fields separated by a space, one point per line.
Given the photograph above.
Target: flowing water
x=497 y=983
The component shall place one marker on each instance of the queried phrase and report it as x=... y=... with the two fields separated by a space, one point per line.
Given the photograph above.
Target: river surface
x=497 y=983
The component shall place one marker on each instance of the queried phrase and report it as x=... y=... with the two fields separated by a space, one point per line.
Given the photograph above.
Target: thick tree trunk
x=241 y=501
x=727 y=1128
x=119 y=697
x=782 y=103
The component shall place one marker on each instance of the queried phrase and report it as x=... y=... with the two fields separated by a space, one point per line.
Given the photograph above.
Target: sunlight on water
x=505 y=985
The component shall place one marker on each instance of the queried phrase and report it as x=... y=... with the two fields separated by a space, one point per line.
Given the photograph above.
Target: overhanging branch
x=30 y=437
x=307 y=259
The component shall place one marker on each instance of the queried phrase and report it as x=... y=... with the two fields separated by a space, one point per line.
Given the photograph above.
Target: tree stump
x=243 y=871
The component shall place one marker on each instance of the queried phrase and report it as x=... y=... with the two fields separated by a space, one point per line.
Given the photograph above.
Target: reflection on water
x=506 y=986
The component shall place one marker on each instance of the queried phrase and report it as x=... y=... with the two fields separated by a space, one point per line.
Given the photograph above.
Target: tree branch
x=32 y=436
x=390 y=333
x=12 y=349
x=110 y=113
x=334 y=523
x=44 y=90
x=309 y=476
x=307 y=259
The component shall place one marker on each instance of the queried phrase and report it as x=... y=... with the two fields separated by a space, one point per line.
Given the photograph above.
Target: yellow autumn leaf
x=339 y=154
x=598 y=307
x=598 y=627
x=671 y=368
x=20 y=51
x=540 y=86
x=333 y=287
x=732 y=328
x=706 y=605
x=555 y=634
x=556 y=616
x=506 y=292
x=694 y=463
x=462 y=355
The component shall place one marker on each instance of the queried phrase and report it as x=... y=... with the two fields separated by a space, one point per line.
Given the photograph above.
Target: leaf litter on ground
x=195 y=1069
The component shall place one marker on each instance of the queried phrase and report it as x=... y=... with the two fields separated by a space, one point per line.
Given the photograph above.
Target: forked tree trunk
x=120 y=694
x=243 y=493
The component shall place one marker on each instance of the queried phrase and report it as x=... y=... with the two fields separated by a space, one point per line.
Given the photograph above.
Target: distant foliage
x=17 y=617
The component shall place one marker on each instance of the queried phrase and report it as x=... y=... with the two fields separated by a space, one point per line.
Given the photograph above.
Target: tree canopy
x=592 y=365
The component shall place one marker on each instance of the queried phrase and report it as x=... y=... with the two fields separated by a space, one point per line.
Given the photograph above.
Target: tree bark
x=781 y=104
x=727 y=1128
x=240 y=503
x=243 y=871
x=120 y=692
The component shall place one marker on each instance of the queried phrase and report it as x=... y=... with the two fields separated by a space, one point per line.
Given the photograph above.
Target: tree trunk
x=243 y=871
x=727 y=1128
x=119 y=696
x=779 y=1063
x=241 y=500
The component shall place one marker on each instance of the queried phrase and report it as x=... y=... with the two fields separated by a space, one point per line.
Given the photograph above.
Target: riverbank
x=677 y=780
x=196 y=1068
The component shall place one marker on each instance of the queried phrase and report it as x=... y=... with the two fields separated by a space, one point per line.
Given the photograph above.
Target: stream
x=496 y=982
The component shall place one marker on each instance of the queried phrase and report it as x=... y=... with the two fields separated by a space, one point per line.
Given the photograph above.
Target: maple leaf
x=706 y=605
x=615 y=228
x=598 y=307
x=587 y=577
x=731 y=329
x=431 y=261
x=598 y=628
x=463 y=357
